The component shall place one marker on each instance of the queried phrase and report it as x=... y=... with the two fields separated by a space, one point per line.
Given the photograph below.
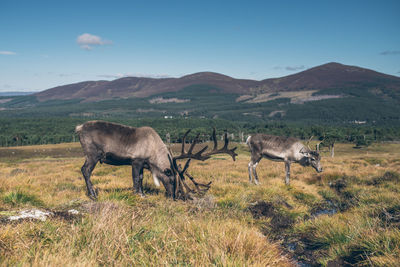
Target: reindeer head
x=310 y=157
x=168 y=178
x=181 y=188
x=163 y=171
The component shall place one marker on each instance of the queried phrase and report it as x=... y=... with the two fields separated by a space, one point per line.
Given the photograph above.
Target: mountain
x=329 y=94
x=327 y=76
x=15 y=93
x=142 y=87
x=330 y=75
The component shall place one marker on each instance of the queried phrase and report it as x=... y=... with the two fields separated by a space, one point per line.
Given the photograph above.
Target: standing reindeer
x=277 y=148
x=117 y=144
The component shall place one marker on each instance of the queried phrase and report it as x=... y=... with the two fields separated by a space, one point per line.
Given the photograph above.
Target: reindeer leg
x=287 y=168
x=254 y=162
x=137 y=176
x=141 y=182
x=255 y=173
x=252 y=168
x=87 y=169
x=250 y=171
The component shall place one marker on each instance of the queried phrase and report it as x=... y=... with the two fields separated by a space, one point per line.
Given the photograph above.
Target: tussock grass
x=18 y=197
x=360 y=187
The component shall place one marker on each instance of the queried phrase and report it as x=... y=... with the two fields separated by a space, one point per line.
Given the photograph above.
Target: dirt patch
x=343 y=196
x=324 y=208
x=303 y=250
x=279 y=220
x=262 y=209
x=386 y=177
x=343 y=201
x=70 y=215
x=357 y=255
x=339 y=185
x=391 y=215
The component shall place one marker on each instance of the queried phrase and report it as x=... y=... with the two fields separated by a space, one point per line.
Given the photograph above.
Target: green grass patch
x=305 y=198
x=104 y=170
x=125 y=196
x=230 y=203
x=18 y=197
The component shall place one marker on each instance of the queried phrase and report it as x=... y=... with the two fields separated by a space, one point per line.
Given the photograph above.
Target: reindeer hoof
x=140 y=194
x=92 y=194
x=93 y=197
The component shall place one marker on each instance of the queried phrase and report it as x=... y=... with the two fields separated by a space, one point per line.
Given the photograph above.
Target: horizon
x=53 y=44
x=9 y=93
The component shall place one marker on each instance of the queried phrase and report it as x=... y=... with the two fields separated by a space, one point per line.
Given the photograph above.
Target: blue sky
x=44 y=44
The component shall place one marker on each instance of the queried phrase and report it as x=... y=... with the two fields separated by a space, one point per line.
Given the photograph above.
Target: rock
x=31 y=214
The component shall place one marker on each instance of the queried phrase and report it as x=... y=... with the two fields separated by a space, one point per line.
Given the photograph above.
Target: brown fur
x=278 y=148
x=117 y=144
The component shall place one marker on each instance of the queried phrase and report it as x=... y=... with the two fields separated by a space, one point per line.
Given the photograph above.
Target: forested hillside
x=353 y=104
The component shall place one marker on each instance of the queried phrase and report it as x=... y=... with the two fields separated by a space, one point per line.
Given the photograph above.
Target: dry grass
x=123 y=229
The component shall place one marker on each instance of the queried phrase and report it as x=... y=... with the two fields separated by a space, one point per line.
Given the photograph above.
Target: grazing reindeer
x=277 y=148
x=117 y=144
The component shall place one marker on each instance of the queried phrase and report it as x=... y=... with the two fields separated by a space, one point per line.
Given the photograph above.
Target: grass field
x=349 y=214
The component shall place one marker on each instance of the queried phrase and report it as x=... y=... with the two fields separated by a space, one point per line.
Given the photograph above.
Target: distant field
x=349 y=214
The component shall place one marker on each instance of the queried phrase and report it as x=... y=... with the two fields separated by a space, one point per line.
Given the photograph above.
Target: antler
x=308 y=142
x=182 y=190
x=199 y=155
x=319 y=143
x=323 y=139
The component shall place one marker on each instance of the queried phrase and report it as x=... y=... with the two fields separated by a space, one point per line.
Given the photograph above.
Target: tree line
x=35 y=131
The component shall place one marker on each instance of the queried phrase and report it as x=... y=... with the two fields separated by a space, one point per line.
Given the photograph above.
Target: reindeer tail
x=248 y=140
x=78 y=128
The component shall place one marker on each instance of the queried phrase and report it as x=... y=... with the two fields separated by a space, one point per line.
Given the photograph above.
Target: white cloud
x=113 y=76
x=67 y=74
x=290 y=68
x=8 y=53
x=88 y=41
x=295 y=68
x=390 y=52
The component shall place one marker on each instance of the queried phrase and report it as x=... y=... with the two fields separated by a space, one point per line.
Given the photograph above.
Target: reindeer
x=277 y=148
x=142 y=148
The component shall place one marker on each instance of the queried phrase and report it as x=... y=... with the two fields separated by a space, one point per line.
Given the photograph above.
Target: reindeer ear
x=168 y=172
